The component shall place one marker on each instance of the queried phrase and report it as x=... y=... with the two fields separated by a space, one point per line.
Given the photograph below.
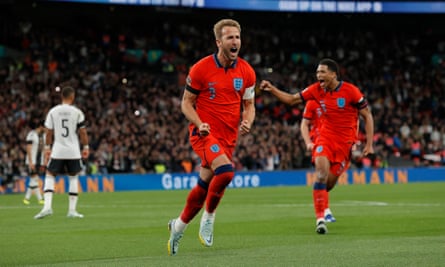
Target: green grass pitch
x=377 y=225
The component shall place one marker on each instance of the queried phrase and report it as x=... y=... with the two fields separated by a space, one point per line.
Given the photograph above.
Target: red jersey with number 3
x=220 y=93
x=340 y=109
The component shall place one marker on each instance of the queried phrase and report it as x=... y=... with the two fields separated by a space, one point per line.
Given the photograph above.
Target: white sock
x=208 y=216
x=327 y=211
x=28 y=193
x=73 y=191
x=49 y=191
x=38 y=194
x=32 y=186
x=319 y=220
x=180 y=225
x=48 y=196
x=72 y=202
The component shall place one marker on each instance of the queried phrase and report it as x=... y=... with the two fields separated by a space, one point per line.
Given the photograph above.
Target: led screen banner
x=179 y=181
x=289 y=5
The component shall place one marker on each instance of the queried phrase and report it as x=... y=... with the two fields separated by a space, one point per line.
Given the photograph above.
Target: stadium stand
x=129 y=65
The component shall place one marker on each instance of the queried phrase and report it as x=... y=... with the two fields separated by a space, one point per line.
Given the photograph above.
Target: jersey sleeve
x=249 y=93
x=357 y=98
x=308 y=93
x=308 y=112
x=81 y=123
x=29 y=138
x=49 y=121
x=194 y=82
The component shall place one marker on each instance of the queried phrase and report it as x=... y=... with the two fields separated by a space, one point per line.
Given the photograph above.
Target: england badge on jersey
x=238 y=83
x=341 y=102
x=214 y=148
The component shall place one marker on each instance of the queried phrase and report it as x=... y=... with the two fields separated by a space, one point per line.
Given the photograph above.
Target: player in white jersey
x=34 y=160
x=65 y=125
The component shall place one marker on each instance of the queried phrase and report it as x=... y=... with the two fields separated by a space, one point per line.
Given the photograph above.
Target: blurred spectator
x=129 y=80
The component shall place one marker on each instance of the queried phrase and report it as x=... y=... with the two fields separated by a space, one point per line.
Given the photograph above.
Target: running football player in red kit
x=219 y=103
x=341 y=103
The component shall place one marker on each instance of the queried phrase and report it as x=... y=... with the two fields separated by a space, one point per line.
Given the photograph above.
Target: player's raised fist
x=204 y=129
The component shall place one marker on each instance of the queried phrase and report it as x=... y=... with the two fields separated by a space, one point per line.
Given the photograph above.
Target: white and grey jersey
x=65 y=120
x=37 y=142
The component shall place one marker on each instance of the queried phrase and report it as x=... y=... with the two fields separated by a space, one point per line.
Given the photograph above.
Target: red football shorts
x=338 y=154
x=209 y=148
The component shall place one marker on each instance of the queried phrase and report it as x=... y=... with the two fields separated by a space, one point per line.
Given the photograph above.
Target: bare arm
x=248 y=116
x=83 y=135
x=281 y=95
x=304 y=127
x=31 y=163
x=369 y=128
x=49 y=142
x=189 y=111
x=354 y=146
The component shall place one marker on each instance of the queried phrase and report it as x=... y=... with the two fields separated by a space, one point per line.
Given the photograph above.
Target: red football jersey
x=220 y=93
x=312 y=111
x=340 y=110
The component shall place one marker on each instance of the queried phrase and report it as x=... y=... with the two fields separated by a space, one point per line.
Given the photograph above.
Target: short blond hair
x=217 y=29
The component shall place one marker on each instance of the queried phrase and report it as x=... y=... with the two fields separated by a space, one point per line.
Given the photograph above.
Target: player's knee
x=322 y=176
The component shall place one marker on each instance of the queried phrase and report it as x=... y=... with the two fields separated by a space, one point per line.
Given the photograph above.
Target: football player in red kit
x=219 y=103
x=341 y=103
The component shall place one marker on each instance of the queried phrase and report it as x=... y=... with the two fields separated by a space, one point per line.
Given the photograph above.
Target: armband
x=363 y=103
x=86 y=147
x=47 y=146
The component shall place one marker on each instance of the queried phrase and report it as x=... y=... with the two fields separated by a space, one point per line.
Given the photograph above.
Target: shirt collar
x=218 y=63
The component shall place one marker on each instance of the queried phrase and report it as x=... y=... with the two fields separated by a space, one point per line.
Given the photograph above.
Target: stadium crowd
x=129 y=82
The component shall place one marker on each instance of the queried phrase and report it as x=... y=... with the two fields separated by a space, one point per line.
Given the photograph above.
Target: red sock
x=319 y=194
x=327 y=200
x=223 y=177
x=195 y=201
